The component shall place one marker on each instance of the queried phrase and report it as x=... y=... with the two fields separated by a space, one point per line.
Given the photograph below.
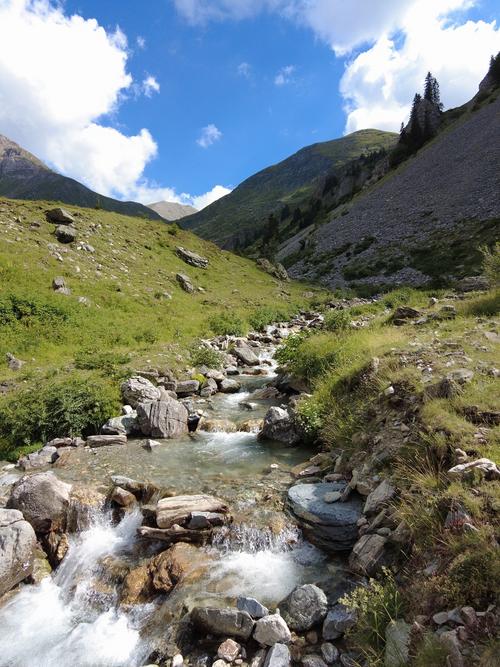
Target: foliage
x=337 y=320
x=491 y=264
x=288 y=351
x=430 y=652
x=227 y=324
x=202 y=355
x=262 y=317
x=68 y=406
x=309 y=415
x=375 y=604
x=105 y=362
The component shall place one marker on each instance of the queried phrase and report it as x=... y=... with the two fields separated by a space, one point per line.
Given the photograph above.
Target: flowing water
x=73 y=618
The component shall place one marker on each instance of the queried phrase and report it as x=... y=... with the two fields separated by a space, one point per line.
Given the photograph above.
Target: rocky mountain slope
x=24 y=176
x=237 y=220
x=423 y=221
x=171 y=211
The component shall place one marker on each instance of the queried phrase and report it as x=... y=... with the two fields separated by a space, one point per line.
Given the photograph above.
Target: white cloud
x=209 y=135
x=209 y=197
x=150 y=85
x=244 y=70
x=147 y=193
x=141 y=42
x=284 y=76
x=202 y=11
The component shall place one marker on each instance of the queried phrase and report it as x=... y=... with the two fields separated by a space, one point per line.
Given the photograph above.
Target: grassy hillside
x=126 y=309
x=236 y=220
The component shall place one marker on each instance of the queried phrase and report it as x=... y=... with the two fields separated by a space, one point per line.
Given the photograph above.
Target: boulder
x=178 y=509
x=280 y=425
x=222 y=622
x=17 y=549
x=59 y=286
x=278 y=656
x=252 y=607
x=368 y=554
x=43 y=499
x=473 y=284
x=105 y=440
x=185 y=282
x=137 y=390
x=41 y=459
x=229 y=386
x=122 y=425
x=191 y=258
x=304 y=607
x=122 y=497
x=65 y=234
x=204 y=520
x=272 y=629
x=186 y=388
x=209 y=388
x=217 y=426
x=332 y=526
x=143 y=491
x=379 y=497
x=488 y=468
x=162 y=419
x=60 y=216
x=246 y=355
x=404 y=313
x=397 y=643
x=13 y=362
x=338 y=620
x=329 y=652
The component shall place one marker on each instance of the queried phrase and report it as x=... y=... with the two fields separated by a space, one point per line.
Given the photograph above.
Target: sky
x=181 y=100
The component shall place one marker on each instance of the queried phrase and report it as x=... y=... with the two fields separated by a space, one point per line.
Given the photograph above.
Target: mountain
x=171 y=211
x=424 y=221
x=239 y=218
x=24 y=176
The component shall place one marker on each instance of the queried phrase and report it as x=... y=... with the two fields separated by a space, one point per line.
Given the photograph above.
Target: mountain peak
x=171 y=211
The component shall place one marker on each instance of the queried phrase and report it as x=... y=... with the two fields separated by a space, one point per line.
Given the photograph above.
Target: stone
x=229 y=386
x=43 y=499
x=151 y=444
x=222 y=622
x=60 y=216
x=329 y=652
x=271 y=629
x=368 y=554
x=397 y=643
x=217 y=426
x=332 y=527
x=178 y=509
x=59 y=286
x=137 y=390
x=143 y=491
x=163 y=419
x=304 y=607
x=279 y=425
x=177 y=660
x=219 y=663
x=332 y=497
x=451 y=642
x=13 y=362
x=460 y=375
x=278 y=656
x=404 y=313
x=313 y=661
x=65 y=234
x=105 y=440
x=473 y=284
x=246 y=355
x=185 y=282
x=203 y=520
x=252 y=607
x=379 y=497
x=440 y=618
x=186 y=388
x=337 y=621
x=229 y=650
x=17 y=549
x=490 y=469
x=122 y=497
x=122 y=425
x=469 y=616
x=191 y=258
x=209 y=388
x=41 y=459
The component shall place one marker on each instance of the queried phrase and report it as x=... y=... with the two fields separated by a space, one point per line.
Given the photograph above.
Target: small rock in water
x=122 y=497
x=151 y=444
x=252 y=607
x=229 y=650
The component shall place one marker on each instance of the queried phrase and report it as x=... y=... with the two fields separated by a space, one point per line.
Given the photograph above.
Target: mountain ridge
x=172 y=211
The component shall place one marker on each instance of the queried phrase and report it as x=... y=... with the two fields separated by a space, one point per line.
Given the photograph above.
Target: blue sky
x=125 y=104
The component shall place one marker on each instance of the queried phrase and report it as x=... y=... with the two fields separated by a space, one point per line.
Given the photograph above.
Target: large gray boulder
x=138 y=389
x=279 y=425
x=246 y=355
x=122 y=425
x=43 y=499
x=338 y=620
x=278 y=656
x=60 y=216
x=222 y=622
x=66 y=234
x=331 y=526
x=17 y=545
x=271 y=630
x=368 y=554
x=304 y=607
x=167 y=418
x=192 y=258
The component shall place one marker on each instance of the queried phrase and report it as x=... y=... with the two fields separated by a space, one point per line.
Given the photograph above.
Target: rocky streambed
x=126 y=550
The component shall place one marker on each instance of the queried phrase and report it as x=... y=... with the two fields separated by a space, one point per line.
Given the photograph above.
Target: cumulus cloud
x=209 y=197
x=141 y=42
x=284 y=76
x=244 y=70
x=150 y=85
x=209 y=135
x=147 y=193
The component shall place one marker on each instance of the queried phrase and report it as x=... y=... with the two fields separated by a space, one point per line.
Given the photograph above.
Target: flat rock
x=222 y=622
x=105 y=440
x=333 y=527
x=178 y=509
x=60 y=216
x=191 y=258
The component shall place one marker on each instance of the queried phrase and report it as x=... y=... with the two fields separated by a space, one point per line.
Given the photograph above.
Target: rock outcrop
x=162 y=419
x=17 y=547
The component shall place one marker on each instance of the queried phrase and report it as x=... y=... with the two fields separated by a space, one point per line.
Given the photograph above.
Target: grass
x=135 y=315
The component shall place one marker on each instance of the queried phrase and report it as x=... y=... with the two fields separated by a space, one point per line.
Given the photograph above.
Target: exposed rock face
x=60 y=216
x=162 y=419
x=138 y=389
x=332 y=526
x=379 y=497
x=66 y=233
x=304 y=607
x=487 y=467
x=178 y=509
x=276 y=270
x=185 y=282
x=222 y=622
x=17 y=547
x=279 y=425
x=397 y=643
x=43 y=499
x=192 y=258
x=272 y=630
x=187 y=388
x=368 y=554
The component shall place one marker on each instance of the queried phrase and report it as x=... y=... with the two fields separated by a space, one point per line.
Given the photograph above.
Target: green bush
x=201 y=355
x=310 y=418
x=264 y=316
x=288 y=352
x=72 y=406
x=31 y=310
x=102 y=361
x=430 y=652
x=491 y=264
x=227 y=324
x=336 y=320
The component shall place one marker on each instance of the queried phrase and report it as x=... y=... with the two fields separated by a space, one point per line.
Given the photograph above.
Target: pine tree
x=415 y=134
x=431 y=91
x=494 y=70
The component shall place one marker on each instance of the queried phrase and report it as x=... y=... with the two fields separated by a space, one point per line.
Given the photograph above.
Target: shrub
x=289 y=350
x=491 y=264
x=227 y=324
x=310 y=418
x=32 y=310
x=336 y=320
x=266 y=315
x=72 y=406
x=102 y=361
x=201 y=355
x=430 y=652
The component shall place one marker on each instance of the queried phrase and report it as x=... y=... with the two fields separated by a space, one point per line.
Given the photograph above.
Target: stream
x=73 y=617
